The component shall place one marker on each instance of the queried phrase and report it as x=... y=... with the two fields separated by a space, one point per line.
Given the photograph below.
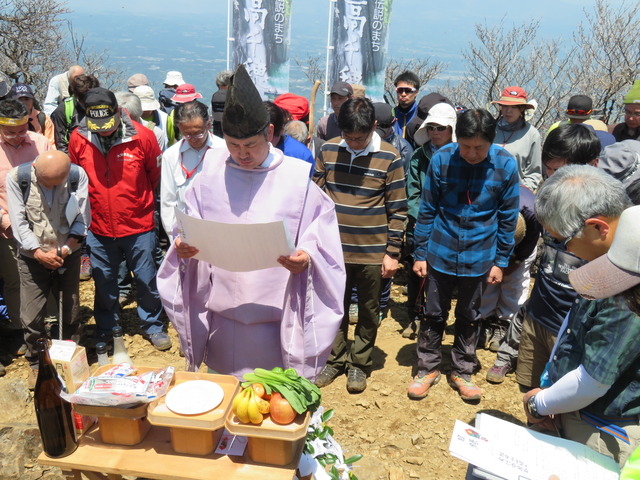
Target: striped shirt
x=369 y=192
x=468 y=213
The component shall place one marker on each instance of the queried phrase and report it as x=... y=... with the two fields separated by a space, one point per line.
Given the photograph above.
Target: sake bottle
x=120 y=354
x=101 y=351
x=55 y=418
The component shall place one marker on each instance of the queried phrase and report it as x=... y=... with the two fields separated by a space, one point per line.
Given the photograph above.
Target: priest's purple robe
x=237 y=321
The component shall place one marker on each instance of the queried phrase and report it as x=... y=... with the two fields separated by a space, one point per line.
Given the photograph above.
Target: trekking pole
x=60 y=272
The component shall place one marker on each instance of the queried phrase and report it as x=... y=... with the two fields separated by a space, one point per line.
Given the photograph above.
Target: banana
x=254 y=412
x=242 y=409
x=263 y=405
x=236 y=400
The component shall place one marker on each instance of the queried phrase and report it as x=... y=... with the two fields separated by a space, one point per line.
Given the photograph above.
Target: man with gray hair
x=590 y=386
x=59 y=88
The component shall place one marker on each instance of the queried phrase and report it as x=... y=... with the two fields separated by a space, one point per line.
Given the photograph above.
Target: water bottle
x=120 y=354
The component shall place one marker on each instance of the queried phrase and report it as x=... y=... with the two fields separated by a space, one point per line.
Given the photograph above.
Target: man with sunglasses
x=407 y=86
x=183 y=161
x=18 y=145
x=630 y=128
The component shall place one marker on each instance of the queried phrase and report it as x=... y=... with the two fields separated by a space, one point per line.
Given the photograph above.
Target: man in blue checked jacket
x=464 y=236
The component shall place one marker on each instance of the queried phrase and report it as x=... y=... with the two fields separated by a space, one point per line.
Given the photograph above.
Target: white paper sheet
x=517 y=453
x=236 y=247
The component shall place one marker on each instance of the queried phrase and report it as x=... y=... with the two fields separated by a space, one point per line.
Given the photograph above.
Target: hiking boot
x=85 y=268
x=499 y=331
x=411 y=330
x=466 y=388
x=327 y=375
x=356 y=380
x=497 y=373
x=421 y=385
x=160 y=341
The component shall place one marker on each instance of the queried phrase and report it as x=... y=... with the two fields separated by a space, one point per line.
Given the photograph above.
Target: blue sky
x=153 y=36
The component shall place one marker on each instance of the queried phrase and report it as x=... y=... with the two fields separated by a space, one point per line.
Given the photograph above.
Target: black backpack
x=24 y=179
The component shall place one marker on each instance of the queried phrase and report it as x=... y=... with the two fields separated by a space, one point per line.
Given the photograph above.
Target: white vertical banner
x=360 y=31
x=261 y=33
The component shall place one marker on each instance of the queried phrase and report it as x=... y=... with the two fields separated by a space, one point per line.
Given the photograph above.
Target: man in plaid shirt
x=464 y=236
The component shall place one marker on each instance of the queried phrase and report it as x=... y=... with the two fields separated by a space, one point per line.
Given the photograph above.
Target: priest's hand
x=295 y=263
x=184 y=250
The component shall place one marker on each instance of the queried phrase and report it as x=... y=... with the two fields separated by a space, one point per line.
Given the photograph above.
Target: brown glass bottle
x=54 y=415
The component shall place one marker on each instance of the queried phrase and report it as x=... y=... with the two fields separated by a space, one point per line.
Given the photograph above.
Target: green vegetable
x=298 y=391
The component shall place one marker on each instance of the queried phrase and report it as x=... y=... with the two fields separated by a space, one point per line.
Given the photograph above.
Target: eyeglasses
x=582 y=113
x=360 y=139
x=632 y=113
x=437 y=128
x=15 y=135
x=566 y=241
x=406 y=90
x=197 y=136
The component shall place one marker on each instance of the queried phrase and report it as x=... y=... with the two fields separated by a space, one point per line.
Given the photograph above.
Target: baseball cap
x=185 y=93
x=101 y=109
x=579 y=107
x=173 y=78
x=147 y=97
x=342 y=88
x=217 y=104
x=136 y=80
x=619 y=269
x=621 y=160
x=20 y=90
x=384 y=117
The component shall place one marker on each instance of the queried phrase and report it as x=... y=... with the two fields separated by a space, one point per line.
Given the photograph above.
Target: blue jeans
x=106 y=254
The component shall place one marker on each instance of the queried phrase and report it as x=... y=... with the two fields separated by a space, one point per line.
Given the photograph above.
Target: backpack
x=24 y=179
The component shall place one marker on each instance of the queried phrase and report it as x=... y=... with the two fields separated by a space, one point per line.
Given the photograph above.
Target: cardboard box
x=70 y=361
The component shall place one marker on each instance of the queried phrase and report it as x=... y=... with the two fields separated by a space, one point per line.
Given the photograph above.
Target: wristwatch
x=533 y=409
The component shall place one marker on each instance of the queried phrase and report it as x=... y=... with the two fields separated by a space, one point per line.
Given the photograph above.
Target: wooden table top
x=154 y=458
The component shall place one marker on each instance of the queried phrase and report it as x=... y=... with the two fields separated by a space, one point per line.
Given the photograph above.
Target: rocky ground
x=399 y=438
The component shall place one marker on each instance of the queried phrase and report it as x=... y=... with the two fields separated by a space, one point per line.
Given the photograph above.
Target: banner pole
x=329 y=49
x=229 y=15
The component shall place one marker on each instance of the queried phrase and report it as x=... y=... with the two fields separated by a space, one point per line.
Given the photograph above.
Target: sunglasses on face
x=406 y=90
x=437 y=128
x=573 y=111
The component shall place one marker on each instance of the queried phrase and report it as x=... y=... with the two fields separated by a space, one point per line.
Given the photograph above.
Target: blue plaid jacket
x=468 y=213
x=602 y=335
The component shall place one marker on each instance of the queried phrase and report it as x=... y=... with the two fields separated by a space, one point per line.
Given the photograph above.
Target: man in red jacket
x=121 y=158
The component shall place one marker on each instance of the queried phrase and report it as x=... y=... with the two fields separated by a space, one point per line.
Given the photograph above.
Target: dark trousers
x=439 y=289
x=368 y=282
x=36 y=284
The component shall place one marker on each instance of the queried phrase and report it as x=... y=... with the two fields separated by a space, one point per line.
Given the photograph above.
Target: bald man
x=49 y=210
x=59 y=88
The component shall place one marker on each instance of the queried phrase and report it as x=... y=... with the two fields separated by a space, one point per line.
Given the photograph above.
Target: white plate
x=194 y=397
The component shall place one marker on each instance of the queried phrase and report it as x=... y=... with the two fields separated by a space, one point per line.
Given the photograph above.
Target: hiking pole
x=60 y=271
